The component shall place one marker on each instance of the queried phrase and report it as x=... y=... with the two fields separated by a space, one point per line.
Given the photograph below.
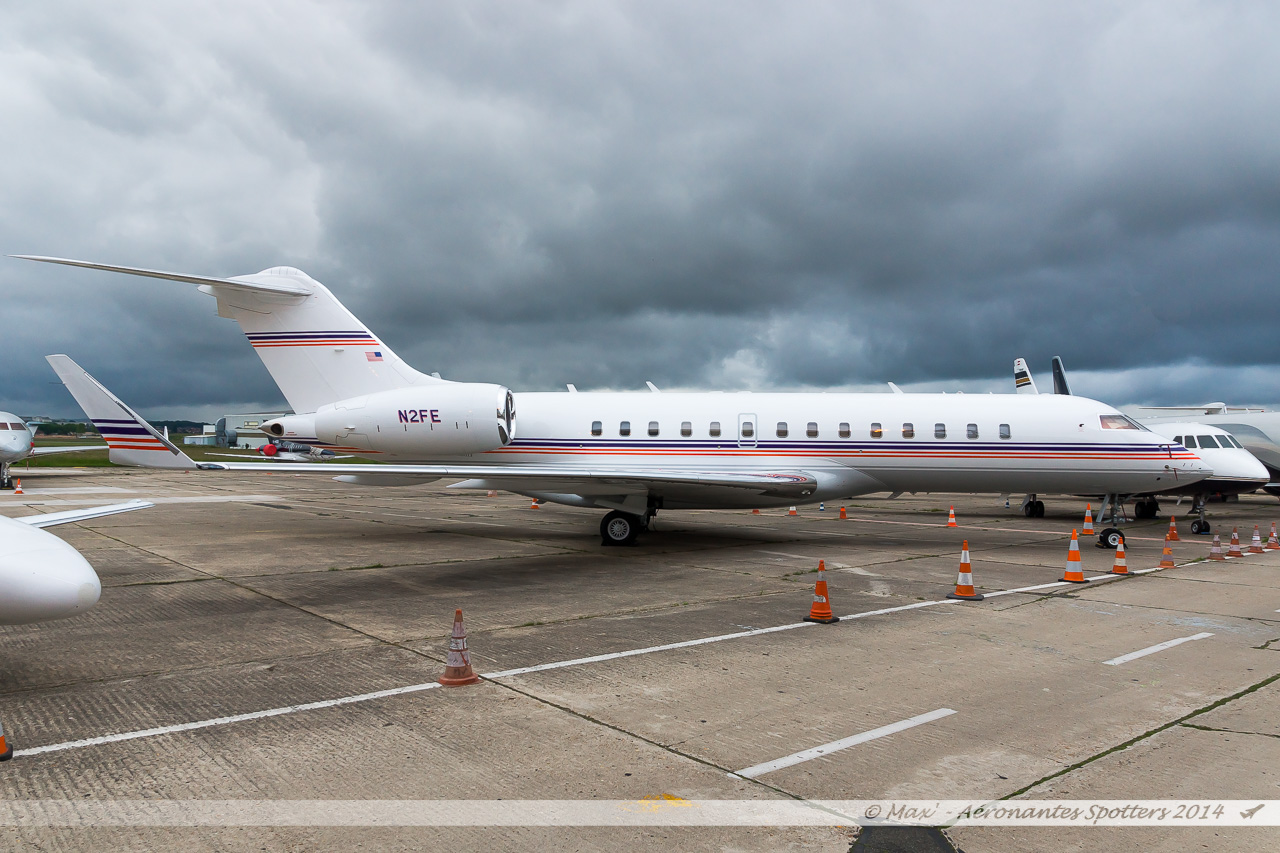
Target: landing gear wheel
x=619 y=528
x=1110 y=538
x=1029 y=509
x=1038 y=510
x=1200 y=528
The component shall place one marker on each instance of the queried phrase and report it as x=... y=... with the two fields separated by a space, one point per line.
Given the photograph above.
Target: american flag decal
x=373 y=356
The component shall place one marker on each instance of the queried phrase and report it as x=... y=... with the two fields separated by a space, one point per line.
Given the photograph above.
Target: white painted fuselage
x=41 y=576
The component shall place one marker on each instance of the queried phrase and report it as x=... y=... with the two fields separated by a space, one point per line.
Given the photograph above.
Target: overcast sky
x=737 y=194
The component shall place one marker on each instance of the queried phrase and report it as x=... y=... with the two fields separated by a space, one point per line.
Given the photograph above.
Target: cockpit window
x=1119 y=422
x=1207 y=441
x=1189 y=442
x=1235 y=442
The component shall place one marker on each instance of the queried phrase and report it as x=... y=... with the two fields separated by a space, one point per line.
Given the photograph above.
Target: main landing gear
x=1146 y=508
x=1032 y=508
x=1199 y=526
x=622 y=528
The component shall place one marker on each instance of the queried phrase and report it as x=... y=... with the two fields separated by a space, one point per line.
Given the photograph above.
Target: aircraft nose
x=11 y=445
x=46 y=583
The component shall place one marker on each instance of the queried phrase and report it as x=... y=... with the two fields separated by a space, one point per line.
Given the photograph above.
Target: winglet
x=1022 y=381
x=132 y=440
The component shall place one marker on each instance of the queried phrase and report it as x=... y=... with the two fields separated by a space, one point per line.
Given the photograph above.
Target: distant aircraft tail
x=1022 y=381
x=315 y=349
x=1060 y=385
x=132 y=441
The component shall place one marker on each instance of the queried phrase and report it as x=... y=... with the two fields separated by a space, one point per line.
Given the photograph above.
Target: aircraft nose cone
x=48 y=579
x=10 y=446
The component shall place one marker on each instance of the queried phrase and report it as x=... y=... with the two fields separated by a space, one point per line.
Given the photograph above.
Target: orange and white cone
x=1215 y=550
x=844 y=514
x=1255 y=545
x=1234 y=549
x=792 y=511
x=1120 y=567
x=492 y=494
x=457 y=665
x=1074 y=573
x=1166 y=556
x=533 y=505
x=964 y=583
x=1088 y=520
x=17 y=486
x=1273 y=543
x=755 y=512
x=821 y=609
x=951 y=518
x=6 y=751
x=1173 y=529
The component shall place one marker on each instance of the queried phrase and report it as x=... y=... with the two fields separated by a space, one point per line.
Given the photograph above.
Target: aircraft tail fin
x=132 y=441
x=315 y=349
x=1060 y=385
x=1022 y=381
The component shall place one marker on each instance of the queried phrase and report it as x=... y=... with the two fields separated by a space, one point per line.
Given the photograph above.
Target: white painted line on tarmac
x=785 y=554
x=506 y=673
x=188 y=499
x=82 y=490
x=1150 y=650
x=222 y=721
x=845 y=743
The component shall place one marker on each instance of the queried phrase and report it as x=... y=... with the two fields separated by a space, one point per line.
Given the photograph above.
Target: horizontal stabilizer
x=263 y=282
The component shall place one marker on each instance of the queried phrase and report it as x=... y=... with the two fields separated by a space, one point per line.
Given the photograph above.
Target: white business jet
x=41 y=576
x=634 y=453
x=1236 y=471
x=17 y=443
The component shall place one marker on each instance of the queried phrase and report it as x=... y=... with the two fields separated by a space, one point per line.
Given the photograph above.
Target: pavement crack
x=1228 y=731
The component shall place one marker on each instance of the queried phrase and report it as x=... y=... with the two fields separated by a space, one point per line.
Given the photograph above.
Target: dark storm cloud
x=747 y=195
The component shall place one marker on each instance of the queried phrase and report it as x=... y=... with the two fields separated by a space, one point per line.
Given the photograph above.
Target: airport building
x=241 y=430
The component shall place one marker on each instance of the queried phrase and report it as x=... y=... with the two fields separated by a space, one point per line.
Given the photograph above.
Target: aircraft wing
x=42 y=451
x=545 y=478
x=72 y=515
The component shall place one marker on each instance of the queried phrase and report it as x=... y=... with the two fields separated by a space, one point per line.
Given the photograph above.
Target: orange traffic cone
x=1120 y=567
x=1255 y=546
x=6 y=751
x=1272 y=542
x=457 y=665
x=17 y=486
x=951 y=518
x=1088 y=520
x=844 y=514
x=1166 y=556
x=1234 y=549
x=1215 y=550
x=492 y=494
x=533 y=505
x=791 y=511
x=1074 y=574
x=755 y=512
x=821 y=609
x=1173 y=529
x=964 y=583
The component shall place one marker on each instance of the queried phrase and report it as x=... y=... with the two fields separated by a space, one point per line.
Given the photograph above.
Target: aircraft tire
x=1110 y=538
x=619 y=528
x=1039 y=509
x=1200 y=528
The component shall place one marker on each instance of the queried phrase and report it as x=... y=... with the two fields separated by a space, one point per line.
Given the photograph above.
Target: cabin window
x=597 y=428
x=1206 y=441
x=971 y=430
x=908 y=430
x=624 y=428
x=686 y=428
x=653 y=427
x=939 y=430
x=844 y=431
x=1004 y=431
x=715 y=429
x=876 y=431
x=1189 y=442
x=782 y=429
x=811 y=430
x=748 y=429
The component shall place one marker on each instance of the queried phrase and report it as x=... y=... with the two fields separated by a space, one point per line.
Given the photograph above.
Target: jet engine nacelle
x=420 y=423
